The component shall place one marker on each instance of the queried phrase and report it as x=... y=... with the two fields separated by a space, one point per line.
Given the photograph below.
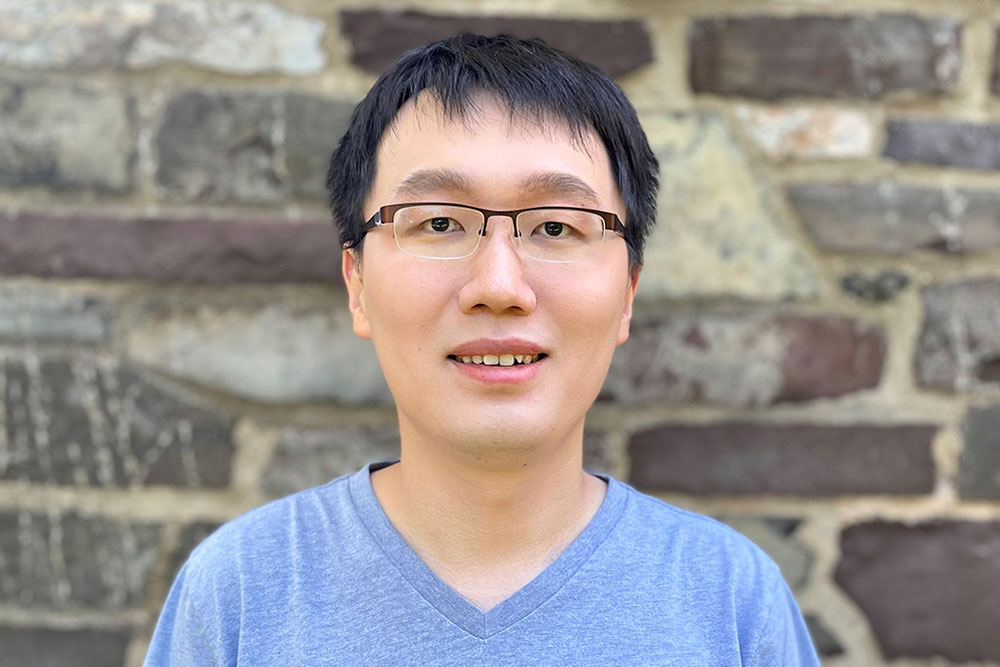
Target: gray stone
x=313 y=127
x=235 y=37
x=878 y=288
x=278 y=352
x=46 y=647
x=91 y=421
x=890 y=218
x=68 y=137
x=191 y=536
x=866 y=57
x=979 y=466
x=35 y=313
x=930 y=590
x=712 y=240
x=800 y=459
x=65 y=561
x=792 y=557
x=959 y=345
x=167 y=249
x=305 y=458
x=943 y=143
x=598 y=454
x=744 y=358
x=825 y=642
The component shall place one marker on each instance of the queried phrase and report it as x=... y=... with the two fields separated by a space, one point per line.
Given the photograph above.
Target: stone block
x=715 y=235
x=747 y=358
x=191 y=536
x=176 y=250
x=893 y=219
x=825 y=642
x=232 y=37
x=929 y=589
x=66 y=137
x=808 y=133
x=801 y=459
x=794 y=559
x=598 y=453
x=875 y=287
x=92 y=421
x=305 y=458
x=959 y=344
x=864 y=57
x=313 y=127
x=46 y=647
x=943 y=143
x=617 y=47
x=36 y=313
x=979 y=465
x=65 y=561
x=276 y=352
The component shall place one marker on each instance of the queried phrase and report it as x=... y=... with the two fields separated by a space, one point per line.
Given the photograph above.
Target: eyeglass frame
x=612 y=222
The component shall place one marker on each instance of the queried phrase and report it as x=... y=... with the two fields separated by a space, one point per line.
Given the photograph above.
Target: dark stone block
x=878 y=288
x=744 y=358
x=824 y=641
x=617 y=47
x=43 y=647
x=65 y=561
x=930 y=589
x=943 y=143
x=979 y=467
x=191 y=536
x=772 y=57
x=959 y=345
x=794 y=559
x=890 y=218
x=313 y=126
x=39 y=313
x=802 y=459
x=90 y=421
x=195 y=251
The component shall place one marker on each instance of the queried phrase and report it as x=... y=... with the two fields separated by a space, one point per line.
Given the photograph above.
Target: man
x=492 y=195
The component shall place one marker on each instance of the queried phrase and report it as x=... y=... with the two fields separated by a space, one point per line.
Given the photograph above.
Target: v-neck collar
x=447 y=601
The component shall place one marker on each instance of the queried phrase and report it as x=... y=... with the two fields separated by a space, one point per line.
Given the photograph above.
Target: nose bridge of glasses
x=510 y=215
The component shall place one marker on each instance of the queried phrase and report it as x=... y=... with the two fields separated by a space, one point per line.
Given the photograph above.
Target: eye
x=442 y=224
x=554 y=229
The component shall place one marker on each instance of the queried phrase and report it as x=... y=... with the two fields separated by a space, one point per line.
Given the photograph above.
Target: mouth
x=506 y=359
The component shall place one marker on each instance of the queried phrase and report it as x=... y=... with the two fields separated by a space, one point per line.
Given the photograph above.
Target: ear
x=351 y=267
x=626 y=321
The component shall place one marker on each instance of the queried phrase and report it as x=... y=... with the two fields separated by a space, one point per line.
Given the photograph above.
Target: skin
x=490 y=487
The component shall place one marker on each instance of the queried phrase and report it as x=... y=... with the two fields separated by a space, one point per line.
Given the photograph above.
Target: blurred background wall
x=815 y=357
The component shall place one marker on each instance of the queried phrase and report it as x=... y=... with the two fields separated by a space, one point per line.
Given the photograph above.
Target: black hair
x=532 y=79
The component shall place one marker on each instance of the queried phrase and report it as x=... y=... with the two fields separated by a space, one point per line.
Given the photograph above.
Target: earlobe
x=351 y=267
x=626 y=321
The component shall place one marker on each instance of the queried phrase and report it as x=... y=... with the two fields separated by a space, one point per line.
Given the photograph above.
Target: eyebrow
x=553 y=183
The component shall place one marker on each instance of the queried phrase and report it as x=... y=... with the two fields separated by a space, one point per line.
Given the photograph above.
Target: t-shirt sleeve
x=785 y=640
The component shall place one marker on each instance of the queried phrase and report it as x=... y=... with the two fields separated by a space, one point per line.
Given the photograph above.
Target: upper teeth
x=499 y=359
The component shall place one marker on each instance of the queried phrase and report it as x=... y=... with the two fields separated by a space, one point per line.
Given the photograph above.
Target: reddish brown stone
x=803 y=459
x=617 y=47
x=930 y=589
x=195 y=250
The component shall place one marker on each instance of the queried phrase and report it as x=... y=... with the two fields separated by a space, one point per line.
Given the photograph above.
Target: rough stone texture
x=744 y=358
x=191 y=536
x=876 y=287
x=235 y=37
x=617 y=47
x=36 y=313
x=979 y=468
x=91 y=421
x=247 y=147
x=771 y=57
x=41 y=647
x=890 y=218
x=930 y=589
x=943 y=143
x=792 y=557
x=307 y=458
x=66 y=137
x=959 y=345
x=278 y=353
x=825 y=642
x=803 y=459
x=195 y=250
x=713 y=240
x=65 y=561
x=808 y=133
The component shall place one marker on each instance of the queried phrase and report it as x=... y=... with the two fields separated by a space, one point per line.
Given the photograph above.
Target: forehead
x=488 y=152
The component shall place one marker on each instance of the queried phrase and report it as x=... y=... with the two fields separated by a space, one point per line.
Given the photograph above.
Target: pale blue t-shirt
x=323 y=578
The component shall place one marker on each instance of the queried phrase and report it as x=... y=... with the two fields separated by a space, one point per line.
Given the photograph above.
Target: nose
x=496 y=281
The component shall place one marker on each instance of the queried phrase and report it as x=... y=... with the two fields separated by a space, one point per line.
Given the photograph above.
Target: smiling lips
x=498 y=352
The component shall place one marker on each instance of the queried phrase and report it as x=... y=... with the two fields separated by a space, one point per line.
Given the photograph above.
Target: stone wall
x=816 y=351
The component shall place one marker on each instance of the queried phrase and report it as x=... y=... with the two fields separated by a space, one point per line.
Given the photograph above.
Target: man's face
x=425 y=315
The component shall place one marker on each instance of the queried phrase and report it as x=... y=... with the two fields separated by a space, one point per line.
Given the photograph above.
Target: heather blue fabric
x=323 y=578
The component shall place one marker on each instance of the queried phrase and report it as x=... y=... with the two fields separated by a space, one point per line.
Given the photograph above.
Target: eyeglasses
x=452 y=231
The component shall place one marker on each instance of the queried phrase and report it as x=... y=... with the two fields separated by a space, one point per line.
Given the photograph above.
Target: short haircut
x=533 y=80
